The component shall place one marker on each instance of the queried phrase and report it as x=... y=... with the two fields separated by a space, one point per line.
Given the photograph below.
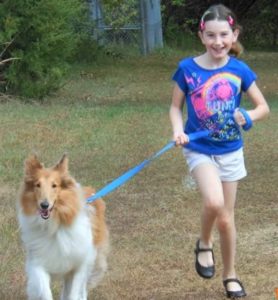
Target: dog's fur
x=64 y=236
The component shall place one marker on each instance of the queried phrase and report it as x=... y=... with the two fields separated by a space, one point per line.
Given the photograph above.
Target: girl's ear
x=236 y=34
x=200 y=34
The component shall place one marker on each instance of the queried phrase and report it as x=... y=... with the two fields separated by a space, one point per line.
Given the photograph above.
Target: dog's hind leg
x=99 y=269
x=38 y=285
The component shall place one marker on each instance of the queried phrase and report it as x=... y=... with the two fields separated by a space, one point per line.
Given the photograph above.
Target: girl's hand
x=239 y=117
x=181 y=139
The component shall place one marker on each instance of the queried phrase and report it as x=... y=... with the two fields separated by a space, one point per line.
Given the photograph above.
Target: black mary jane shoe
x=234 y=294
x=205 y=272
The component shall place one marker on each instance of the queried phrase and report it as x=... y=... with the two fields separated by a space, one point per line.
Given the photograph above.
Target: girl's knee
x=214 y=204
x=225 y=222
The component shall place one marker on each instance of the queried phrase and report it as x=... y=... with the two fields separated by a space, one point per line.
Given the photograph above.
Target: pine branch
x=2 y=62
x=7 y=46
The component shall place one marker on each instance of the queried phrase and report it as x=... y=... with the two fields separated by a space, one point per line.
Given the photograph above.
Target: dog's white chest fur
x=58 y=250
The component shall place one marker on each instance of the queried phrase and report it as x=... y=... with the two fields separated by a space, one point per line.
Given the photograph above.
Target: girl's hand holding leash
x=180 y=138
x=241 y=117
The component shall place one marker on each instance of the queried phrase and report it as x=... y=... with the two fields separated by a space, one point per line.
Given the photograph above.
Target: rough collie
x=64 y=236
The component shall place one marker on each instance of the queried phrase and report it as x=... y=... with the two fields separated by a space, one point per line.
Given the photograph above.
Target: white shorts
x=230 y=166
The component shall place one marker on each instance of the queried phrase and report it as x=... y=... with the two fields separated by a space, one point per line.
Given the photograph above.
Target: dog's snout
x=45 y=204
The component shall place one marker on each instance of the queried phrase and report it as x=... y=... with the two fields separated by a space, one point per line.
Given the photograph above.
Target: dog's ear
x=31 y=165
x=63 y=165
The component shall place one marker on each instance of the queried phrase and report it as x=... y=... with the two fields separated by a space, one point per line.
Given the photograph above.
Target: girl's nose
x=218 y=40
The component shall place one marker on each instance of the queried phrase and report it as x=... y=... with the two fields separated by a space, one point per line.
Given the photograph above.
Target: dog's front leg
x=38 y=285
x=75 y=285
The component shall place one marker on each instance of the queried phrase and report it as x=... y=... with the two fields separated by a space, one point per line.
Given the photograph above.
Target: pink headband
x=202 y=22
x=230 y=20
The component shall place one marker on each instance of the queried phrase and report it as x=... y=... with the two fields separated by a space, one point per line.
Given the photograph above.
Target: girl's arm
x=176 y=116
x=261 y=108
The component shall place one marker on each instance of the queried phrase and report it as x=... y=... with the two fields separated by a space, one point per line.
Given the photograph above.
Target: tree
x=37 y=39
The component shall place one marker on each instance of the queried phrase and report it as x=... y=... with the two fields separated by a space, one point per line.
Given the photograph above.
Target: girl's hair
x=222 y=13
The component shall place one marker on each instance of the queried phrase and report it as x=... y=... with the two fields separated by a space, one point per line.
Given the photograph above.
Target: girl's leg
x=226 y=226
x=210 y=186
x=218 y=206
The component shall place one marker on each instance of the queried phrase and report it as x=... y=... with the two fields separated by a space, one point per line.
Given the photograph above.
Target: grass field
x=108 y=118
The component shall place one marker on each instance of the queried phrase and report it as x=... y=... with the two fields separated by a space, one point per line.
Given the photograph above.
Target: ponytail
x=237 y=49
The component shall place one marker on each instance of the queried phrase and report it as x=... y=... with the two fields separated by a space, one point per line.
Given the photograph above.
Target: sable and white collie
x=64 y=236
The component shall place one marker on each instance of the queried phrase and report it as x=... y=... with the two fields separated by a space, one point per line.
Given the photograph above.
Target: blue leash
x=130 y=173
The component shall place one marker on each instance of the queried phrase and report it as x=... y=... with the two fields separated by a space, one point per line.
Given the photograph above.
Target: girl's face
x=218 y=38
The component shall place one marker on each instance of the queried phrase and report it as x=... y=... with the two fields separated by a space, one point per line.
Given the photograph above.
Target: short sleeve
x=179 y=78
x=248 y=77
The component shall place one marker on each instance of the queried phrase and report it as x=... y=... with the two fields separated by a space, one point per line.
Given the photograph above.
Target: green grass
x=108 y=118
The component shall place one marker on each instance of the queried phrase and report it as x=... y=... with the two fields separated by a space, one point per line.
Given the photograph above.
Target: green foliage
x=259 y=19
x=180 y=37
x=120 y=12
x=178 y=2
x=260 y=31
x=38 y=38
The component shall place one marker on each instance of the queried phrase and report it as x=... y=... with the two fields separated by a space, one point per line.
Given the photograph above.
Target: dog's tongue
x=44 y=213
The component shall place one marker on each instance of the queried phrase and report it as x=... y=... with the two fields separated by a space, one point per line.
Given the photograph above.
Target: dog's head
x=46 y=189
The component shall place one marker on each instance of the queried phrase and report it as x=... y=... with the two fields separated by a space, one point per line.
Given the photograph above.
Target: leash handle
x=249 y=122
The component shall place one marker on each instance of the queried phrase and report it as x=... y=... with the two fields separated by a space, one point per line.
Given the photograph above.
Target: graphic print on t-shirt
x=214 y=103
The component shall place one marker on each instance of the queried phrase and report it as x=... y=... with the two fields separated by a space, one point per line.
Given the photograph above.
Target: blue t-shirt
x=211 y=97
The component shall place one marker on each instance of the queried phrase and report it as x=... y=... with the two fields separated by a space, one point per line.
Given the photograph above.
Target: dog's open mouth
x=45 y=213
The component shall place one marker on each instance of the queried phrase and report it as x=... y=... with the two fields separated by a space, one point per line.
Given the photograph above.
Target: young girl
x=211 y=86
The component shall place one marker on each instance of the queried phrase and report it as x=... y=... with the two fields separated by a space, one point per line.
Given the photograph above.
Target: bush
x=38 y=39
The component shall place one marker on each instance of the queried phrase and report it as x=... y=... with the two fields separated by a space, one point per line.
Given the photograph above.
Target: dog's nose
x=45 y=204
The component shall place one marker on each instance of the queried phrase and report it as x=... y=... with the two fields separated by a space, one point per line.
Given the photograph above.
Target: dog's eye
x=54 y=185
x=38 y=185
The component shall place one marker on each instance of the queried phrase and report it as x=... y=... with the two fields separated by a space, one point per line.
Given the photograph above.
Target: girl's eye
x=38 y=185
x=54 y=185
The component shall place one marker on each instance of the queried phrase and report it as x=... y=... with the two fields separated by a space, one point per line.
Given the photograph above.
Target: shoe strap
x=198 y=249
x=226 y=281
x=204 y=250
